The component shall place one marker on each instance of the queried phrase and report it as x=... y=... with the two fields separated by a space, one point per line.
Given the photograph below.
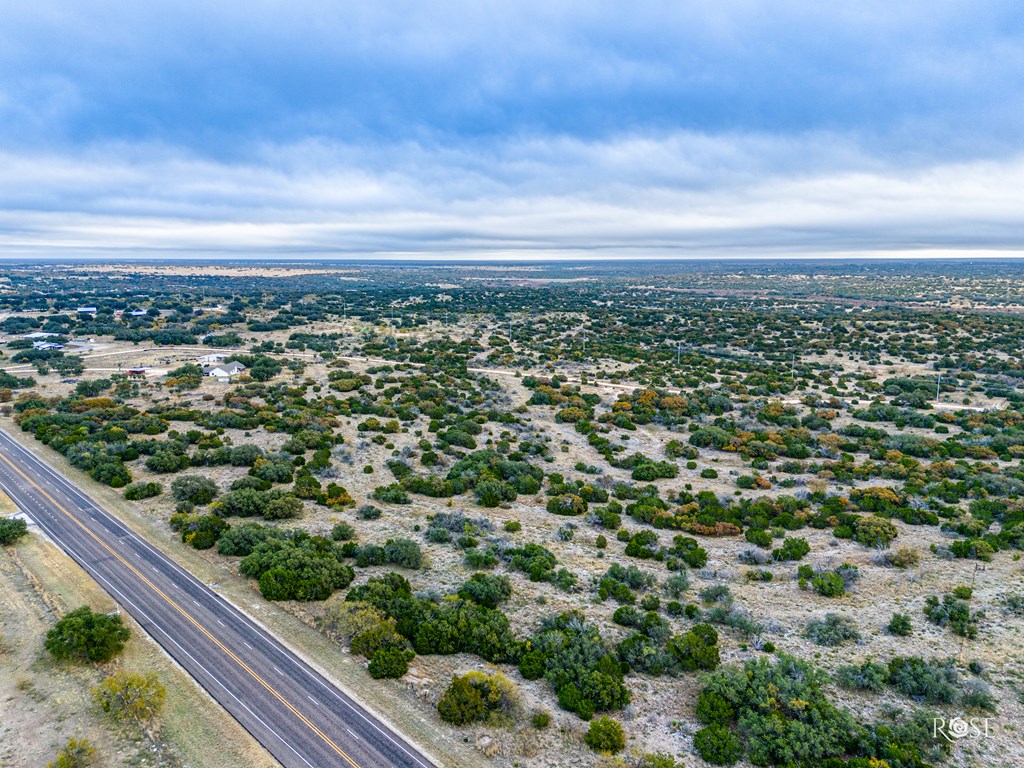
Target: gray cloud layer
x=674 y=195
x=542 y=127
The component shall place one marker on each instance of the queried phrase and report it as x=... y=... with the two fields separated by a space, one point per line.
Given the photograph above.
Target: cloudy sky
x=511 y=129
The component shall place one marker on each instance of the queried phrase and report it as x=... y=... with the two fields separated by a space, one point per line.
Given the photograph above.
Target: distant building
x=136 y=372
x=38 y=335
x=46 y=345
x=138 y=312
x=87 y=310
x=225 y=371
x=212 y=359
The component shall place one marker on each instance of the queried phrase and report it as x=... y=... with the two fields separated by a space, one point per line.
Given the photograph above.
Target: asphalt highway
x=299 y=716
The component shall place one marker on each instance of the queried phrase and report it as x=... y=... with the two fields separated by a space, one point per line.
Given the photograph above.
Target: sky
x=724 y=128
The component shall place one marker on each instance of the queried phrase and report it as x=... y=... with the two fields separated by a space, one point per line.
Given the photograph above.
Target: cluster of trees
x=452 y=625
x=492 y=477
x=934 y=681
x=570 y=653
x=297 y=566
x=581 y=667
x=777 y=713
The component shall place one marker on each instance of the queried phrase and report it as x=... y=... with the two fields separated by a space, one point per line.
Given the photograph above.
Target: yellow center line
x=187 y=616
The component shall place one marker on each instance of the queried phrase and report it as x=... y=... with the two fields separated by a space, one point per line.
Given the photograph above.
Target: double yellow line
x=188 y=617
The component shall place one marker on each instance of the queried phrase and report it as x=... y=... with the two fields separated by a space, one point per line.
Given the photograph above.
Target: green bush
x=199 y=531
x=568 y=504
x=390 y=494
x=658 y=760
x=473 y=697
x=677 y=584
x=390 y=662
x=714 y=709
x=486 y=589
x=933 y=682
x=196 y=489
x=899 y=625
x=874 y=531
x=369 y=555
x=137 y=491
x=343 y=532
x=833 y=630
x=452 y=625
x=369 y=512
x=531 y=665
x=642 y=545
x=117 y=475
x=283 y=508
x=273 y=471
x=977 y=695
x=491 y=493
x=77 y=753
x=605 y=735
x=695 y=649
x=11 y=529
x=791 y=549
x=972 y=548
x=717 y=745
x=759 y=537
x=953 y=612
x=241 y=540
x=87 y=636
x=869 y=676
x=243 y=502
x=404 y=553
x=782 y=716
x=828 y=584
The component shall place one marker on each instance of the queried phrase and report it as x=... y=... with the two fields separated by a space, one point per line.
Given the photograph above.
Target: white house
x=46 y=345
x=213 y=359
x=87 y=310
x=224 y=371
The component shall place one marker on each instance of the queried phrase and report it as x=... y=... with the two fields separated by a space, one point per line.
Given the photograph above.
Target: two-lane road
x=299 y=716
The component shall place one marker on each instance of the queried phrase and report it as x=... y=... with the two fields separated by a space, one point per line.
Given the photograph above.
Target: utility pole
x=792 y=367
x=679 y=352
x=938 y=383
x=584 y=342
x=510 y=330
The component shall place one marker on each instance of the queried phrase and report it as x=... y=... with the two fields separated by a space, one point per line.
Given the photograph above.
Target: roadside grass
x=193 y=729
